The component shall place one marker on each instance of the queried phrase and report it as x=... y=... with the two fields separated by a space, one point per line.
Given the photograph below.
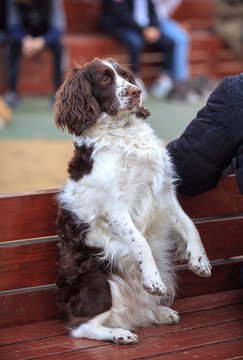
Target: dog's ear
x=76 y=108
x=142 y=113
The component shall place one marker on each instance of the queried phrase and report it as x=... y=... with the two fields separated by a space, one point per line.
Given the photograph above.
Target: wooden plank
x=222 y=238
x=40 y=330
x=35 y=264
x=227 y=318
x=219 y=351
x=28 y=215
x=31 y=215
x=27 y=307
x=224 y=277
x=209 y=301
x=28 y=265
x=226 y=306
x=64 y=347
x=15 y=307
x=224 y=200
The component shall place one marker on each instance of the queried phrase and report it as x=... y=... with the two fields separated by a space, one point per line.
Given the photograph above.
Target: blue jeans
x=180 y=65
x=135 y=43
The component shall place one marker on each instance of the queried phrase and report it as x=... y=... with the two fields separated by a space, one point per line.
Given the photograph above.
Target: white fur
x=129 y=200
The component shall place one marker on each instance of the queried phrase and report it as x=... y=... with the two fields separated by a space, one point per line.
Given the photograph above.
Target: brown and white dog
x=118 y=210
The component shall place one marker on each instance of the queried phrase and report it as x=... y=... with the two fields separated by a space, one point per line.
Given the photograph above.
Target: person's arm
x=205 y=148
x=14 y=27
x=118 y=14
x=57 y=22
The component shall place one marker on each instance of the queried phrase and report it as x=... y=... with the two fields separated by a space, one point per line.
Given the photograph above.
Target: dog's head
x=99 y=86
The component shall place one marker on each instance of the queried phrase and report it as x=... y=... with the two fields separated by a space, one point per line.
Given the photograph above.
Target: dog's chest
x=143 y=163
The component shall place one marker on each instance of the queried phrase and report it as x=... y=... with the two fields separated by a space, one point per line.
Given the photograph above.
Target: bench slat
x=24 y=216
x=172 y=342
x=33 y=215
x=222 y=304
x=228 y=319
x=15 y=308
x=35 y=264
x=27 y=307
x=28 y=265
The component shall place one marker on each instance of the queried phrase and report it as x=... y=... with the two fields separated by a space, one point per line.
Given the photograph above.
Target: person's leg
x=58 y=55
x=14 y=61
x=134 y=42
x=12 y=98
x=164 y=84
x=166 y=45
x=180 y=66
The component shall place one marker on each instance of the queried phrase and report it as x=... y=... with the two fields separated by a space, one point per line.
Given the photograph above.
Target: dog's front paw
x=124 y=337
x=199 y=263
x=154 y=286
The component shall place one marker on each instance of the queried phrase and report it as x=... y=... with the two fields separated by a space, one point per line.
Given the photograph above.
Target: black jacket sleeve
x=205 y=148
x=118 y=14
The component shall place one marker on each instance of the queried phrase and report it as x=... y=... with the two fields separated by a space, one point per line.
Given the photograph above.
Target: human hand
x=32 y=46
x=151 y=34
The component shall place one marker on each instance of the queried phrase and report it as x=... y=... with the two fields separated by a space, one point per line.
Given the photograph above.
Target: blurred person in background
x=180 y=63
x=5 y=111
x=229 y=24
x=134 y=23
x=32 y=26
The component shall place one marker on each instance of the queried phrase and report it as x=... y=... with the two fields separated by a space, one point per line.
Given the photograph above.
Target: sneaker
x=142 y=87
x=12 y=99
x=162 y=87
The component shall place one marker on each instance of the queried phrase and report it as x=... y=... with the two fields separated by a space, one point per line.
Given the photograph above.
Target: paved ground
x=34 y=154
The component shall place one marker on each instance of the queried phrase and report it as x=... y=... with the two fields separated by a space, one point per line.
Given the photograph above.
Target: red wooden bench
x=211 y=310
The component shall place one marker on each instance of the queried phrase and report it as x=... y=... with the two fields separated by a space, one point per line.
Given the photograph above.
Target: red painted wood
x=224 y=277
x=28 y=265
x=222 y=238
x=228 y=302
x=224 y=200
x=27 y=307
x=172 y=342
x=190 y=322
x=35 y=264
x=219 y=351
x=24 y=216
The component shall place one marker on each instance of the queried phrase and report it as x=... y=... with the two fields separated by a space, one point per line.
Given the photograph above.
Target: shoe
x=12 y=99
x=162 y=87
x=142 y=87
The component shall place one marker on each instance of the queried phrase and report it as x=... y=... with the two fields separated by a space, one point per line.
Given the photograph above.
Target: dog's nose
x=134 y=91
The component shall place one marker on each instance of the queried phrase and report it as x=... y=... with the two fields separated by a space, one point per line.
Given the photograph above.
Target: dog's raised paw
x=200 y=265
x=124 y=337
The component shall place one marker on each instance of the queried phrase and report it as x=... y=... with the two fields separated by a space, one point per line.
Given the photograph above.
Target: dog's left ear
x=142 y=113
x=76 y=108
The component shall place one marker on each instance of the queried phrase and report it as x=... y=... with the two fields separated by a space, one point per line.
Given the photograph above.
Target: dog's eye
x=126 y=76
x=105 y=80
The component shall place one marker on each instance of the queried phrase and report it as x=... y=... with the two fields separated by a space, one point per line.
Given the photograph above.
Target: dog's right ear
x=76 y=108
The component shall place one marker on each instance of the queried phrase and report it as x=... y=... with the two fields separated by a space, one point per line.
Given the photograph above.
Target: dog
x=117 y=211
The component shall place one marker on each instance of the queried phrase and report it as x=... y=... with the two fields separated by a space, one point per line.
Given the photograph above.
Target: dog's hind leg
x=94 y=329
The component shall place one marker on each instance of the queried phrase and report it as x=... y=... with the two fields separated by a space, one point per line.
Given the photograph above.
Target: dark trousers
x=14 y=62
x=135 y=43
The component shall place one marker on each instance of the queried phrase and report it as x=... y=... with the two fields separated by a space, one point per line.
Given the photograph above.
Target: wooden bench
x=211 y=324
